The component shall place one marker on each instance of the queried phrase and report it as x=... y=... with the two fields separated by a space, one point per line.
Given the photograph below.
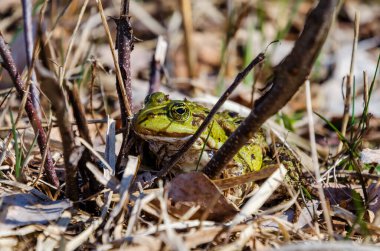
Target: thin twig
x=6 y=97
x=10 y=66
x=185 y=147
x=71 y=43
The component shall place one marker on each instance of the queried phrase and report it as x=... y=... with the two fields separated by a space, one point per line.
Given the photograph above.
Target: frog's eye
x=179 y=111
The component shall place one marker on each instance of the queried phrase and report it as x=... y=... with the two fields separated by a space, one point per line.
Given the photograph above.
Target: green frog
x=166 y=124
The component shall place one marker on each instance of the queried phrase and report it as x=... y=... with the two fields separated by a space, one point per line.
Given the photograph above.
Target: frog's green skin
x=166 y=124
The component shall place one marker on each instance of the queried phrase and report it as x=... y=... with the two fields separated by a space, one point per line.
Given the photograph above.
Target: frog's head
x=165 y=119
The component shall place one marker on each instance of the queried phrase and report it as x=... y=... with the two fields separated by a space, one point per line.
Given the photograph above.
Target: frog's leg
x=160 y=155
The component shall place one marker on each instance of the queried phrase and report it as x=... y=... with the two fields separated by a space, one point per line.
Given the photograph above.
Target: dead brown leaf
x=195 y=189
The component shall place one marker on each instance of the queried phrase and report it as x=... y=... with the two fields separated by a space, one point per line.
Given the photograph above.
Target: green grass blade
x=30 y=150
x=340 y=135
x=16 y=148
x=353 y=103
x=373 y=80
x=204 y=145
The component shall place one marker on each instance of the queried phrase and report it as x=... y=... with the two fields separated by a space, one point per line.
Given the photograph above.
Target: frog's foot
x=238 y=193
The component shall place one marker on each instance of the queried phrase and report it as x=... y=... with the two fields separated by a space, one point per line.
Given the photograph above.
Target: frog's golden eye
x=179 y=111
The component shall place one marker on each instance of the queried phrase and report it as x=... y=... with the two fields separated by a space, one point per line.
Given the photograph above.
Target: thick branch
x=289 y=75
x=124 y=46
x=124 y=10
x=10 y=66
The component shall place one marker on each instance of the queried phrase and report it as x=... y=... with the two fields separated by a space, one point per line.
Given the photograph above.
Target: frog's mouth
x=163 y=138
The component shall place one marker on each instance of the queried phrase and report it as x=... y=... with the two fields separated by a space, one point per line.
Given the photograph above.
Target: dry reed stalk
x=365 y=87
x=349 y=82
x=187 y=22
x=314 y=156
